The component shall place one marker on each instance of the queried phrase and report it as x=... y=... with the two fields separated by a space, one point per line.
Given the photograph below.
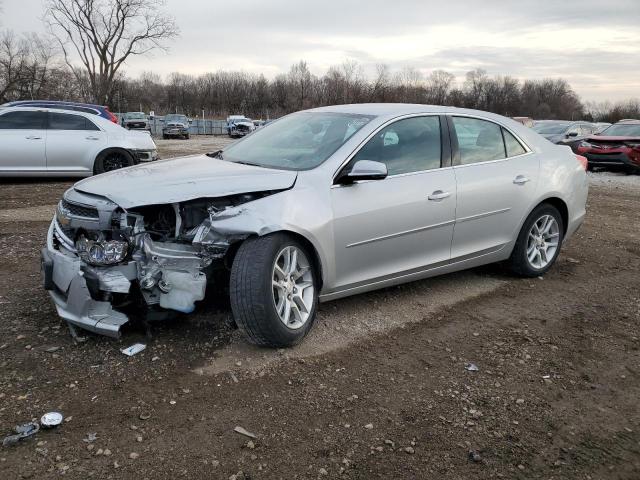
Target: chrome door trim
x=482 y=215
x=400 y=234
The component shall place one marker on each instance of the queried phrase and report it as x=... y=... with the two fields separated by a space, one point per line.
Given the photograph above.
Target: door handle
x=520 y=180
x=439 y=195
x=33 y=137
x=92 y=138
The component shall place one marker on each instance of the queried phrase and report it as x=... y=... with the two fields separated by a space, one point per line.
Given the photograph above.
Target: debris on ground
x=51 y=419
x=91 y=437
x=22 y=431
x=471 y=367
x=133 y=349
x=474 y=456
x=244 y=432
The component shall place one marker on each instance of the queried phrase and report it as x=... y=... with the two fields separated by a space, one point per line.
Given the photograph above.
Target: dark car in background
x=100 y=110
x=135 y=121
x=563 y=132
x=617 y=147
x=175 y=126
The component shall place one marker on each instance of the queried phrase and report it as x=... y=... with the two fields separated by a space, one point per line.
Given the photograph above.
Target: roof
x=53 y=102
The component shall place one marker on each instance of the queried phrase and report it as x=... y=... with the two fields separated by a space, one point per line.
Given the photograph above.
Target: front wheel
x=112 y=160
x=273 y=290
x=538 y=243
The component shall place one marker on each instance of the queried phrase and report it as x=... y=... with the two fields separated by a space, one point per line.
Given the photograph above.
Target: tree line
x=31 y=67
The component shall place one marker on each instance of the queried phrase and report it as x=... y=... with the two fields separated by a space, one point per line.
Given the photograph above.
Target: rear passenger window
x=514 y=147
x=478 y=140
x=62 y=121
x=409 y=145
x=22 y=120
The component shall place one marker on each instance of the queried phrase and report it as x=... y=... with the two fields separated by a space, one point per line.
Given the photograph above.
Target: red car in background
x=617 y=147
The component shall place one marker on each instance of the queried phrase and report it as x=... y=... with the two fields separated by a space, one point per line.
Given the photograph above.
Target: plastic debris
x=471 y=367
x=22 y=431
x=244 y=432
x=133 y=349
x=51 y=419
x=91 y=437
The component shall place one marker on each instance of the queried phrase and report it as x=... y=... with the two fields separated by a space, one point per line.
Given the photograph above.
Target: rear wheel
x=112 y=160
x=538 y=243
x=273 y=290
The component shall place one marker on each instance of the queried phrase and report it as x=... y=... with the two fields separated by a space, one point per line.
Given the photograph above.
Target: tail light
x=112 y=117
x=583 y=161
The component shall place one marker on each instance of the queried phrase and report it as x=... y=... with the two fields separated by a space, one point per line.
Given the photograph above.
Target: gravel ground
x=379 y=390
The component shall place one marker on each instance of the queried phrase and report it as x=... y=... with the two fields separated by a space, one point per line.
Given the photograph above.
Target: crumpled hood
x=182 y=179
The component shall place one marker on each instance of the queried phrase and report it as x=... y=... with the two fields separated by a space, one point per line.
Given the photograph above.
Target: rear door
x=73 y=141
x=385 y=228
x=22 y=141
x=496 y=177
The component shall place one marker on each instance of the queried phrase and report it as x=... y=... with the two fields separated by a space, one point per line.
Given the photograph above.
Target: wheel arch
x=561 y=206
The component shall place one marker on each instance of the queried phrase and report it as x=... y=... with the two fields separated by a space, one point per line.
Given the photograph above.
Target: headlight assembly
x=584 y=144
x=102 y=252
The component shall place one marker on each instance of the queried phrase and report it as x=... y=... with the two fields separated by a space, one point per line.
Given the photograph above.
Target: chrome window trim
x=361 y=145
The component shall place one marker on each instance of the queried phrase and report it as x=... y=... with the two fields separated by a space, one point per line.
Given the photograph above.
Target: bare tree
x=104 y=33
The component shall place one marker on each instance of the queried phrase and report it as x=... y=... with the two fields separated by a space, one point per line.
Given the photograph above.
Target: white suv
x=51 y=142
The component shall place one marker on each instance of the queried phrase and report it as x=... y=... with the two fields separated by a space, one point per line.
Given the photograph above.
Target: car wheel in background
x=186 y=137
x=538 y=243
x=273 y=290
x=110 y=160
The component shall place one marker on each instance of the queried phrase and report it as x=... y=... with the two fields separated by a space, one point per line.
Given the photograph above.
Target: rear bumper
x=67 y=285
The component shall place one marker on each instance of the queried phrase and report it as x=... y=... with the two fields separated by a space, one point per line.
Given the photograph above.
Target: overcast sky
x=595 y=44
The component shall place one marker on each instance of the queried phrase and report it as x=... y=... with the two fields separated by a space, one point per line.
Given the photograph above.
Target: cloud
x=591 y=43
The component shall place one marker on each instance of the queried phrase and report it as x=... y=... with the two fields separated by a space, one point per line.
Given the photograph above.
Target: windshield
x=175 y=118
x=550 y=128
x=622 y=130
x=135 y=115
x=300 y=141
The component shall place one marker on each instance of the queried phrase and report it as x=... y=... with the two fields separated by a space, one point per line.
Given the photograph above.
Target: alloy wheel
x=542 y=241
x=293 y=287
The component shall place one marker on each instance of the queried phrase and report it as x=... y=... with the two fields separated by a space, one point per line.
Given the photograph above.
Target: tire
x=253 y=294
x=165 y=137
x=186 y=137
x=519 y=262
x=109 y=160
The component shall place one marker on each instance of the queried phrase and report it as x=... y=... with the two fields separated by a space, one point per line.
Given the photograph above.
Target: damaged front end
x=104 y=264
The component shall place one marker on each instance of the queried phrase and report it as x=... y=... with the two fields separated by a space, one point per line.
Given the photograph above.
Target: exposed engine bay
x=153 y=258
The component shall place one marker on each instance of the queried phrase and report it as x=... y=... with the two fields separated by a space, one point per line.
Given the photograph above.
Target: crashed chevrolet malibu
x=318 y=205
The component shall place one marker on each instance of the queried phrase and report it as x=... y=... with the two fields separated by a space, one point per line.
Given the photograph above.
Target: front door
x=22 y=141
x=384 y=228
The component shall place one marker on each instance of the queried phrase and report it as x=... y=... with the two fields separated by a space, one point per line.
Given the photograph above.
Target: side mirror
x=364 y=170
x=572 y=134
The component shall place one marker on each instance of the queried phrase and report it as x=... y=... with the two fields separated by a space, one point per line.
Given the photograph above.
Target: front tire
x=273 y=290
x=110 y=160
x=538 y=244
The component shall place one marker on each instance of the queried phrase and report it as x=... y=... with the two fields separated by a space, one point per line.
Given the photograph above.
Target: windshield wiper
x=216 y=154
x=246 y=163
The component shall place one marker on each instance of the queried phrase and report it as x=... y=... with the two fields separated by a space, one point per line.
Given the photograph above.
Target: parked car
x=63 y=143
x=176 y=126
x=617 y=147
x=318 y=205
x=601 y=126
x=100 y=110
x=239 y=126
x=564 y=133
x=526 y=121
x=136 y=121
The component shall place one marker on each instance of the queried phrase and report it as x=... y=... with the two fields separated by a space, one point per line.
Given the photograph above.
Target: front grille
x=80 y=210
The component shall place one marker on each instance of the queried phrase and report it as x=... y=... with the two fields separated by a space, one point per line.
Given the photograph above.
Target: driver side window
x=406 y=146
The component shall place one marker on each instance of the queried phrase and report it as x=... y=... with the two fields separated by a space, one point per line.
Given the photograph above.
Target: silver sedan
x=318 y=205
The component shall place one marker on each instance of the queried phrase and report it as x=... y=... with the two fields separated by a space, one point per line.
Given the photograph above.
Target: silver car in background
x=61 y=143
x=318 y=205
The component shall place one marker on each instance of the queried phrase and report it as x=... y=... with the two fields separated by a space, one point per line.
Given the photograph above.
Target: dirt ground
x=379 y=390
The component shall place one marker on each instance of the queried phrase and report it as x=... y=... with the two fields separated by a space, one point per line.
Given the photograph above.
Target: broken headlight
x=102 y=252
